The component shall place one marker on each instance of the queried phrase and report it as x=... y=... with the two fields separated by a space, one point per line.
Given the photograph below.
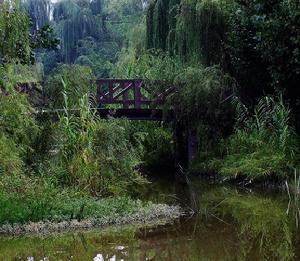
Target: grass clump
x=263 y=145
x=80 y=78
x=32 y=200
x=91 y=154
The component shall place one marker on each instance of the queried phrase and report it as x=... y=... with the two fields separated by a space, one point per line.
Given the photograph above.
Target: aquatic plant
x=94 y=155
x=293 y=191
x=263 y=145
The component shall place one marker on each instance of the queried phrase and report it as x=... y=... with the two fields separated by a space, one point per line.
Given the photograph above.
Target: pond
x=233 y=224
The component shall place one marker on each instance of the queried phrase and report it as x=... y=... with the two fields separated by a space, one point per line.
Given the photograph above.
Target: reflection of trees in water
x=232 y=225
x=80 y=246
x=263 y=229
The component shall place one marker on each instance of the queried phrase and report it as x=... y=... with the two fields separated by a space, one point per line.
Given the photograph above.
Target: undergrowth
x=64 y=166
x=263 y=146
x=24 y=200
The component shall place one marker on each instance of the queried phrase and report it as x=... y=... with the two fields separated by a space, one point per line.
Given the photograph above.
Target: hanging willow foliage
x=39 y=11
x=212 y=27
x=150 y=25
x=77 y=20
x=173 y=11
x=160 y=24
x=194 y=29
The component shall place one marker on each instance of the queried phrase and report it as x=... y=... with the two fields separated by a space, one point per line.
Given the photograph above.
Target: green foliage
x=17 y=44
x=155 y=143
x=80 y=82
x=159 y=148
x=124 y=7
x=264 y=145
x=16 y=121
x=91 y=32
x=10 y=160
x=195 y=30
x=93 y=155
x=151 y=65
x=202 y=96
x=75 y=21
x=264 y=47
x=14 y=33
x=24 y=200
x=160 y=22
x=212 y=29
x=12 y=74
x=257 y=42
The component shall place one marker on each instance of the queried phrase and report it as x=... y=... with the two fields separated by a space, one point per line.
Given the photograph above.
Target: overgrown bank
x=63 y=167
x=236 y=70
x=242 y=130
x=79 y=213
x=72 y=168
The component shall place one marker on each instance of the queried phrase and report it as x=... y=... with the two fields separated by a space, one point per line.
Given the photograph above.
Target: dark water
x=233 y=224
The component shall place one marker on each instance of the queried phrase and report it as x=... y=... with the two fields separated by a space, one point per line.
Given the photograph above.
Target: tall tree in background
x=257 y=42
x=17 y=43
x=91 y=32
x=14 y=33
x=39 y=11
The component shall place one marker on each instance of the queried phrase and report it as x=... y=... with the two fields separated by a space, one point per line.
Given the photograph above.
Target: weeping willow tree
x=194 y=29
x=149 y=32
x=172 y=14
x=39 y=11
x=160 y=22
x=76 y=20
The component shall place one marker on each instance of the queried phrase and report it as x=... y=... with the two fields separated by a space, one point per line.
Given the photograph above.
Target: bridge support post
x=111 y=91
x=180 y=148
x=125 y=95
x=137 y=94
x=191 y=147
x=186 y=147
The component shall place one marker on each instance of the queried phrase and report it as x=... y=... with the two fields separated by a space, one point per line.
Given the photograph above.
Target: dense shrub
x=10 y=160
x=17 y=125
x=263 y=43
x=264 y=145
x=203 y=96
x=14 y=33
x=80 y=81
x=92 y=154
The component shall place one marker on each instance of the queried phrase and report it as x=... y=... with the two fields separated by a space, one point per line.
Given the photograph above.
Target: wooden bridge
x=132 y=98
x=135 y=99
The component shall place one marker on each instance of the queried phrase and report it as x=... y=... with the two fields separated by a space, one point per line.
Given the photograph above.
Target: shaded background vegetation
x=235 y=65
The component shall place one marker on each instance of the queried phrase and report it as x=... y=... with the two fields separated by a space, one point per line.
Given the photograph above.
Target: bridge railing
x=130 y=93
x=120 y=93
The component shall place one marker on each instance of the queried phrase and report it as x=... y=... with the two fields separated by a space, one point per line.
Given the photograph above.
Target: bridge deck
x=137 y=114
x=130 y=114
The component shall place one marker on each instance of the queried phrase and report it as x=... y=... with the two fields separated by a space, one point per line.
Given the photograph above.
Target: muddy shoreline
x=161 y=212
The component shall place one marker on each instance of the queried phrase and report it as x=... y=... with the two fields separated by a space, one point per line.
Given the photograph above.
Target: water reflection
x=232 y=225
